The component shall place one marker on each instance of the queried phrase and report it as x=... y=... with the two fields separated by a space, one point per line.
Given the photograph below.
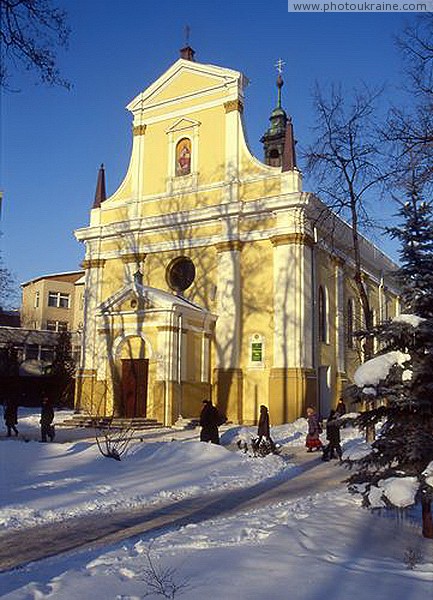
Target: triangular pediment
x=182 y=124
x=136 y=297
x=185 y=79
x=129 y=298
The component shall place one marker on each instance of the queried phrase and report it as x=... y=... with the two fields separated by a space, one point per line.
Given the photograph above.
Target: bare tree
x=30 y=32
x=161 y=580
x=8 y=291
x=410 y=129
x=345 y=161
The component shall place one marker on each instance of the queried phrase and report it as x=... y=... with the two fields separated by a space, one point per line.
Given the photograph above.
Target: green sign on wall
x=256 y=351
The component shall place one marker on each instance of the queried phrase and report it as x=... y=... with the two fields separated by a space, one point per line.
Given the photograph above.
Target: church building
x=212 y=275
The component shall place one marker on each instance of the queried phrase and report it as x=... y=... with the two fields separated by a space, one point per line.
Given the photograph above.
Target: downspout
x=179 y=362
x=381 y=286
x=168 y=370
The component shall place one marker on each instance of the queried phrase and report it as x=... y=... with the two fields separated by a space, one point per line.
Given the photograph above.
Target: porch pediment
x=135 y=297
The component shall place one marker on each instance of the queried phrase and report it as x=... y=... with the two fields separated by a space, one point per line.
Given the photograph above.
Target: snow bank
x=399 y=491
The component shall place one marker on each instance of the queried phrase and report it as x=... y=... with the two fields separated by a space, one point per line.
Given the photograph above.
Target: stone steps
x=96 y=422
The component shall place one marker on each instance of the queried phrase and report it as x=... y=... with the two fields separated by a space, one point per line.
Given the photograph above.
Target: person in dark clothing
x=263 y=428
x=47 y=417
x=209 y=421
x=341 y=408
x=333 y=437
x=11 y=416
x=313 y=441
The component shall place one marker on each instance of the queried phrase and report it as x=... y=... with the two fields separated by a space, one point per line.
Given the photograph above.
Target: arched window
x=323 y=315
x=350 y=323
x=183 y=157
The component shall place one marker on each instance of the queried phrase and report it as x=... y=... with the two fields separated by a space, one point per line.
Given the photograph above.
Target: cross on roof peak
x=280 y=65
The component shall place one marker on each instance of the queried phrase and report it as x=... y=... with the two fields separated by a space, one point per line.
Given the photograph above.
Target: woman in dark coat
x=263 y=428
x=47 y=417
x=263 y=425
x=209 y=420
x=11 y=416
x=312 y=441
x=333 y=437
x=341 y=408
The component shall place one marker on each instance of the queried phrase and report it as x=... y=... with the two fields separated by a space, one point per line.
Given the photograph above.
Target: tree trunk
x=427 y=519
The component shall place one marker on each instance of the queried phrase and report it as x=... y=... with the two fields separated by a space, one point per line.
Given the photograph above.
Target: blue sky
x=53 y=140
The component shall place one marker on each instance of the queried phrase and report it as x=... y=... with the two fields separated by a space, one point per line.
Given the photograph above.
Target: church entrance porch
x=151 y=356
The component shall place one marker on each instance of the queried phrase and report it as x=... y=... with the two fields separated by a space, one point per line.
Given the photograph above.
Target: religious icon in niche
x=183 y=157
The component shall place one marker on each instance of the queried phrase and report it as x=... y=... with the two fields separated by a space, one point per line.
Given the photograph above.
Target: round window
x=180 y=273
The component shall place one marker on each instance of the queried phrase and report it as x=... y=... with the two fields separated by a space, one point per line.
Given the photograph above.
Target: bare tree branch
x=29 y=34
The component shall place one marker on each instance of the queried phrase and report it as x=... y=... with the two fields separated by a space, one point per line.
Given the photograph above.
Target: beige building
x=209 y=273
x=53 y=302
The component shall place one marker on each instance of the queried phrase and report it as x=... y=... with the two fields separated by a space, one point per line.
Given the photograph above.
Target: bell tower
x=278 y=141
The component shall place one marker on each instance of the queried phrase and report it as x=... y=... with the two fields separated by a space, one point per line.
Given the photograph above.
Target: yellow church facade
x=209 y=274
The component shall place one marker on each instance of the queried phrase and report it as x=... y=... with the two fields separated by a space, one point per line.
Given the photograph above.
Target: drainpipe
x=381 y=286
x=179 y=362
x=169 y=368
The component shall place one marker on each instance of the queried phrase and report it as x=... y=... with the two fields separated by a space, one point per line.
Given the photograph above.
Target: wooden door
x=134 y=387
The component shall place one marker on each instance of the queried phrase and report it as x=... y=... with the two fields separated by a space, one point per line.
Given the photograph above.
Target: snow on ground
x=320 y=547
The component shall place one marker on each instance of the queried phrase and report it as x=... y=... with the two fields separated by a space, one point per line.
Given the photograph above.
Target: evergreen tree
x=401 y=375
x=63 y=369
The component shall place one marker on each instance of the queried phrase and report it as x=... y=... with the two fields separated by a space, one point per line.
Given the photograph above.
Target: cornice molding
x=229 y=246
x=93 y=263
x=284 y=239
x=134 y=257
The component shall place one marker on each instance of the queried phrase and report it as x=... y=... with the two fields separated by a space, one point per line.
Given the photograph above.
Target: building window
x=323 y=315
x=183 y=157
x=47 y=354
x=180 y=273
x=36 y=299
x=32 y=352
x=350 y=323
x=58 y=300
x=19 y=348
x=57 y=326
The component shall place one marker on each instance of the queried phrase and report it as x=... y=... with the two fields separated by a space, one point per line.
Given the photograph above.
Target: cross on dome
x=279 y=65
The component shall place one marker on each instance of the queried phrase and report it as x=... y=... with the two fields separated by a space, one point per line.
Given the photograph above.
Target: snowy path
x=22 y=546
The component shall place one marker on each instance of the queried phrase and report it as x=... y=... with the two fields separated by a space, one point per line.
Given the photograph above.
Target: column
x=292 y=382
x=228 y=375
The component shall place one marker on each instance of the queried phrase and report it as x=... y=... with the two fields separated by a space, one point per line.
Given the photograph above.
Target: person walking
x=341 y=408
x=333 y=437
x=47 y=417
x=209 y=421
x=313 y=441
x=11 y=416
x=263 y=428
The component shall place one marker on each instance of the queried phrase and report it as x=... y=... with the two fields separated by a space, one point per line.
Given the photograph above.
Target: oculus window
x=180 y=273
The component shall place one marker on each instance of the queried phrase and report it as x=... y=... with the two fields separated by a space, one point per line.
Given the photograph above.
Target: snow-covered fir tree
x=398 y=471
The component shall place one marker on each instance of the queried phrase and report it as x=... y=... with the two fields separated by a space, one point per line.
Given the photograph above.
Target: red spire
x=100 y=194
x=289 y=154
